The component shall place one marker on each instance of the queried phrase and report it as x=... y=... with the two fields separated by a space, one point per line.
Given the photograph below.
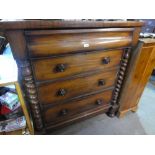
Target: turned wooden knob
x=64 y=112
x=99 y=102
x=101 y=82
x=61 y=92
x=60 y=67
x=106 y=60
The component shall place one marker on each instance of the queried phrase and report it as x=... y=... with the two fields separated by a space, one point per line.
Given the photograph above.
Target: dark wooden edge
x=78 y=75
x=82 y=52
x=49 y=24
x=49 y=32
x=119 y=83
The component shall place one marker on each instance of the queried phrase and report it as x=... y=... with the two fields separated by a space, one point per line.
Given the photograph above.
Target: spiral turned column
x=31 y=94
x=121 y=74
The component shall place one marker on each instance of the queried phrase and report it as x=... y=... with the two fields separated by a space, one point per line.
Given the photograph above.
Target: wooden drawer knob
x=106 y=60
x=99 y=102
x=63 y=112
x=60 y=67
x=101 y=82
x=61 y=92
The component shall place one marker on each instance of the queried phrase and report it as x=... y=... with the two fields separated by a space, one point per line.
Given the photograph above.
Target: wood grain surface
x=45 y=69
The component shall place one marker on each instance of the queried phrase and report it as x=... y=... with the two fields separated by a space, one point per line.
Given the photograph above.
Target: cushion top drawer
x=52 y=42
x=52 y=93
x=54 y=68
x=61 y=112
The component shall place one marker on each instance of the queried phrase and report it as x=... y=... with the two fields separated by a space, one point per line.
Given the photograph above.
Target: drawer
x=51 y=93
x=54 y=68
x=62 y=112
x=53 y=42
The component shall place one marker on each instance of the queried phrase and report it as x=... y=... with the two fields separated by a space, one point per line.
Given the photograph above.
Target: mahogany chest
x=71 y=70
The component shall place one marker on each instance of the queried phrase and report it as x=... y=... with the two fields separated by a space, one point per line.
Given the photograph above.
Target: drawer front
x=51 y=93
x=64 y=111
x=53 y=42
x=53 y=68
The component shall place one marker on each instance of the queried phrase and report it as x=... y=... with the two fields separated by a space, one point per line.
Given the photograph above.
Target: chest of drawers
x=71 y=70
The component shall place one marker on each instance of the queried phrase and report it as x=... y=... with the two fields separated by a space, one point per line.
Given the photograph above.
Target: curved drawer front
x=61 y=112
x=54 y=68
x=53 y=42
x=68 y=89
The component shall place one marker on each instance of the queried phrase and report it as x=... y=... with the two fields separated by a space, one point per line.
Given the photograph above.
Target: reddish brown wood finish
x=62 y=112
x=43 y=47
x=49 y=93
x=139 y=71
x=49 y=42
x=45 y=69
